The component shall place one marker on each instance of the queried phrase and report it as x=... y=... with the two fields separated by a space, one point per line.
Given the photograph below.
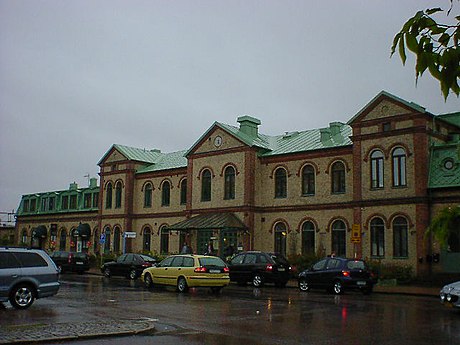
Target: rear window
x=211 y=262
x=80 y=255
x=356 y=265
x=147 y=258
x=31 y=260
x=279 y=259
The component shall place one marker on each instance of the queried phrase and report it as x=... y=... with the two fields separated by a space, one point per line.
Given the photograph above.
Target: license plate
x=360 y=283
x=214 y=271
x=281 y=269
x=79 y=263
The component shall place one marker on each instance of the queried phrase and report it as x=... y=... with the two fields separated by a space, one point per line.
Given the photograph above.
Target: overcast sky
x=79 y=76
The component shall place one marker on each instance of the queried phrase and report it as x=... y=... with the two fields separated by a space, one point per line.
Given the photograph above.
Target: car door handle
x=14 y=276
x=178 y=269
x=166 y=269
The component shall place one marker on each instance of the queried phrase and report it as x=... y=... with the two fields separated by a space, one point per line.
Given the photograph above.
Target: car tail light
x=346 y=273
x=201 y=270
x=226 y=270
x=146 y=264
x=69 y=259
x=269 y=268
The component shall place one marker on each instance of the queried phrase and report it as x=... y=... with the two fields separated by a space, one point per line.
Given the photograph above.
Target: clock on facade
x=217 y=141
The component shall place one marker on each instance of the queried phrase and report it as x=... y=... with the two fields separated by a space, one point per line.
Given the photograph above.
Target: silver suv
x=26 y=275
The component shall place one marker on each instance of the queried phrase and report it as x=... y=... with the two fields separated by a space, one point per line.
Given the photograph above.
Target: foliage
x=107 y=257
x=5 y=240
x=435 y=45
x=444 y=223
x=402 y=273
x=300 y=262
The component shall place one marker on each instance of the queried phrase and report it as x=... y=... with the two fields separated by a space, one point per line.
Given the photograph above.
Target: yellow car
x=185 y=271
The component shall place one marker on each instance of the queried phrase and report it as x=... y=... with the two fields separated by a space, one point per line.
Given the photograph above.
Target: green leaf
x=402 y=51
x=433 y=10
x=444 y=39
x=411 y=42
x=395 y=43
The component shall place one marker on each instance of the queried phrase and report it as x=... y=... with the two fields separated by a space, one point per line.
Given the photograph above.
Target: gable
x=385 y=105
x=217 y=140
x=113 y=155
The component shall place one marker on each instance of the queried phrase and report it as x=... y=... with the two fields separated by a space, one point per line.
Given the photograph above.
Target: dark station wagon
x=336 y=275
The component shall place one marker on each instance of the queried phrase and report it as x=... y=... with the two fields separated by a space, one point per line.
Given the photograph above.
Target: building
x=367 y=188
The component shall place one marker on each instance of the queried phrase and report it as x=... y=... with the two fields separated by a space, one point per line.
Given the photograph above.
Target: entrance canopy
x=40 y=231
x=210 y=221
x=83 y=230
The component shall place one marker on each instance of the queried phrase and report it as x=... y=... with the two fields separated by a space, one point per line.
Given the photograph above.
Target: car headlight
x=443 y=297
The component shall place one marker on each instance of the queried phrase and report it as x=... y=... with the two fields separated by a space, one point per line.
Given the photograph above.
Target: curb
x=42 y=333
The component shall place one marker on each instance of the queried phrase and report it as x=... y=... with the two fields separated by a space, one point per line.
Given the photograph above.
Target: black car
x=338 y=274
x=128 y=265
x=71 y=261
x=259 y=268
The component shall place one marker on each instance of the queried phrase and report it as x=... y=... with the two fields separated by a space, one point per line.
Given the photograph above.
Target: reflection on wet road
x=243 y=315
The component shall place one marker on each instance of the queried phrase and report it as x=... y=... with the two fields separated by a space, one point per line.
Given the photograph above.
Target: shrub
x=300 y=262
x=402 y=273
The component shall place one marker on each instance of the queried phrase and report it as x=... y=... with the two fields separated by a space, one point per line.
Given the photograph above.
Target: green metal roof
x=134 y=154
x=452 y=118
x=440 y=176
x=166 y=161
x=211 y=221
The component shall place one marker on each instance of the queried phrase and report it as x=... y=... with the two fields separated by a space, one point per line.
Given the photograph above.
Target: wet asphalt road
x=243 y=315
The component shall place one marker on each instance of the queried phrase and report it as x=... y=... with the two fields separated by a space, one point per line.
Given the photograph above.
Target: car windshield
x=80 y=255
x=216 y=262
x=356 y=265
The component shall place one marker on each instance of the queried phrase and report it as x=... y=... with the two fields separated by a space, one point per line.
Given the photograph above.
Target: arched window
x=377 y=169
x=280 y=183
x=280 y=238
x=400 y=245
x=164 y=240
x=116 y=239
x=377 y=238
x=73 y=240
x=339 y=232
x=183 y=192
x=165 y=193
x=229 y=183
x=107 y=240
x=399 y=167
x=108 y=196
x=148 y=190
x=308 y=238
x=338 y=177
x=147 y=239
x=62 y=240
x=118 y=195
x=308 y=180
x=206 y=185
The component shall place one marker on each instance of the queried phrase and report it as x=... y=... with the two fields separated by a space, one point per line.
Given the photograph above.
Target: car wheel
x=182 y=285
x=303 y=285
x=338 y=287
x=132 y=274
x=22 y=296
x=148 y=282
x=107 y=272
x=257 y=280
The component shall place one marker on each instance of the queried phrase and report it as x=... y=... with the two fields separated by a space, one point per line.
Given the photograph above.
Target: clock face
x=217 y=141
x=448 y=164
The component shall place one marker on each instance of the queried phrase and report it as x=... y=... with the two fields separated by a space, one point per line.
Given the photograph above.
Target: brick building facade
x=358 y=189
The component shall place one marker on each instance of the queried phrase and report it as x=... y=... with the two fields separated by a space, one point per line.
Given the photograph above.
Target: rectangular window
x=25 y=206
x=65 y=202
x=52 y=203
x=44 y=204
x=73 y=202
x=87 y=200
x=96 y=200
x=386 y=127
x=33 y=205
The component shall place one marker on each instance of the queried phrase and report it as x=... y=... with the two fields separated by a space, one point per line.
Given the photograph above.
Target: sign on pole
x=356 y=233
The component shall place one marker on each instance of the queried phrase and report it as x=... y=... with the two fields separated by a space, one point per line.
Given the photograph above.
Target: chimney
x=249 y=125
x=335 y=128
x=93 y=182
x=325 y=134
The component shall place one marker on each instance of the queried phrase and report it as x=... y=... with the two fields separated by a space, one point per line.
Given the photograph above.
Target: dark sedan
x=338 y=274
x=128 y=265
x=259 y=268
